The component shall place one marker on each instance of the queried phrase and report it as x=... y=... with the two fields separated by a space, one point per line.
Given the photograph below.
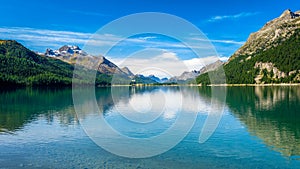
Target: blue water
x=260 y=128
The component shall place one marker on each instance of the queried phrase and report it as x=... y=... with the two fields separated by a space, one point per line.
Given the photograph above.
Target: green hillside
x=271 y=55
x=285 y=57
x=20 y=66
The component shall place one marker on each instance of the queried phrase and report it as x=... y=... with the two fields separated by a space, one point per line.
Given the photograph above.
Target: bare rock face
x=270 y=55
x=270 y=67
x=127 y=71
x=188 y=75
x=49 y=52
x=107 y=67
x=74 y=55
x=271 y=34
x=211 y=67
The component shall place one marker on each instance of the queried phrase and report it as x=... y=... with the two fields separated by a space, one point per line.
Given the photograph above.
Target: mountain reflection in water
x=270 y=113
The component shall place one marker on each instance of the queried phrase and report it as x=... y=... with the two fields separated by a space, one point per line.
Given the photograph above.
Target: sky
x=42 y=24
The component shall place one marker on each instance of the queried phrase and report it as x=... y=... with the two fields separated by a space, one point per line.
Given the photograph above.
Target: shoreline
x=272 y=84
x=161 y=85
x=212 y=85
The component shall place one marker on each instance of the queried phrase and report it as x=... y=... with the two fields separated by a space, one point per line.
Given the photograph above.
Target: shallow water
x=260 y=127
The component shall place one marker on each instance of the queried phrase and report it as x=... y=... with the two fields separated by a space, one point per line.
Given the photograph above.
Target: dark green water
x=260 y=128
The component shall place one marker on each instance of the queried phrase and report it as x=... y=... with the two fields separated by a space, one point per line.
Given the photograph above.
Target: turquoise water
x=260 y=128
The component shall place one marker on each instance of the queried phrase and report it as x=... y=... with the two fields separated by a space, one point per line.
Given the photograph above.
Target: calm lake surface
x=260 y=128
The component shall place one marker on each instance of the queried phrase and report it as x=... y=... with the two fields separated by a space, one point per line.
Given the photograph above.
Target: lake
x=259 y=127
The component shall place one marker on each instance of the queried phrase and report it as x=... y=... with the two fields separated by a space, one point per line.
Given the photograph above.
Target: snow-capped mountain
x=70 y=54
x=64 y=50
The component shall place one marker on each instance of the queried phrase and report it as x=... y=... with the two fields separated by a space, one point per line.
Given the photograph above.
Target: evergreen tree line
x=240 y=70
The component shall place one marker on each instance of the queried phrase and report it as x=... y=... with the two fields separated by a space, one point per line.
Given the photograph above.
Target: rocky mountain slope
x=185 y=76
x=22 y=67
x=271 y=34
x=188 y=76
x=127 y=71
x=70 y=54
x=211 y=67
x=270 y=55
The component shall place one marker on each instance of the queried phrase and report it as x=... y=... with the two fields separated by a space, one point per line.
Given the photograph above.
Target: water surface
x=260 y=128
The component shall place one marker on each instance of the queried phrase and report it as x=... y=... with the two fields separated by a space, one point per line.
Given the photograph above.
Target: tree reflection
x=270 y=113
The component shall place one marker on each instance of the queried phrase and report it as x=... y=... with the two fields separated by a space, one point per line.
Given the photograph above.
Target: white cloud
x=220 y=41
x=148 y=37
x=167 y=56
x=46 y=35
x=166 y=64
x=194 y=64
x=162 y=65
x=224 y=58
x=236 y=16
x=228 y=42
x=198 y=63
x=43 y=37
x=40 y=39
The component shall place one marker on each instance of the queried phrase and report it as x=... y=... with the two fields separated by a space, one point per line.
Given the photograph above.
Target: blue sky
x=41 y=24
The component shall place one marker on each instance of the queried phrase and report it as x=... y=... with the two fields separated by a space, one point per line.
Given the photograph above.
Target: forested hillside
x=20 y=66
x=271 y=55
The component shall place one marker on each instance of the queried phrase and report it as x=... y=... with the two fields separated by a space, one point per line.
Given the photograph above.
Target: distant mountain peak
x=69 y=48
x=186 y=75
x=66 y=50
x=127 y=71
x=70 y=53
x=211 y=67
x=288 y=14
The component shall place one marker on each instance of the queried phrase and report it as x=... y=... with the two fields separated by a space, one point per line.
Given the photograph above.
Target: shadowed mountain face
x=270 y=113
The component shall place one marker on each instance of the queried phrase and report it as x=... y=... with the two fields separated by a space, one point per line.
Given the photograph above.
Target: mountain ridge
x=189 y=76
x=70 y=54
x=267 y=37
x=270 y=55
x=20 y=66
